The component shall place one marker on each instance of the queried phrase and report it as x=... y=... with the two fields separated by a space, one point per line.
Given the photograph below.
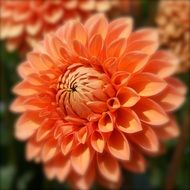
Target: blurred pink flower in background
x=95 y=98
x=23 y=23
x=173 y=20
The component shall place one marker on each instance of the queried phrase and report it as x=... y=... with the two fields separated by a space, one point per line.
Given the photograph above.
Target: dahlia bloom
x=173 y=20
x=95 y=98
x=23 y=23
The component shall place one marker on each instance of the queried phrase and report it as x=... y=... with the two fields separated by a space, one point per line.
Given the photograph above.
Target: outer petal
x=170 y=99
x=133 y=62
x=119 y=28
x=108 y=167
x=81 y=158
x=27 y=125
x=167 y=131
x=146 y=139
x=136 y=164
x=150 y=112
x=177 y=84
x=149 y=84
x=83 y=182
x=163 y=63
x=97 y=24
x=18 y=105
x=49 y=150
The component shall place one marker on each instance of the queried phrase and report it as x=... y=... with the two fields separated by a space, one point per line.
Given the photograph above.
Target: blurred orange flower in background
x=23 y=23
x=173 y=20
x=95 y=98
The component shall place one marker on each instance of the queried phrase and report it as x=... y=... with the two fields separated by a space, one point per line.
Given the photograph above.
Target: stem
x=177 y=157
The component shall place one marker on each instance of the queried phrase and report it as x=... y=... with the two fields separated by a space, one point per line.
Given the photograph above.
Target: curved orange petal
x=97 y=141
x=150 y=112
x=33 y=149
x=106 y=123
x=49 y=150
x=127 y=97
x=150 y=34
x=108 y=167
x=95 y=45
x=45 y=129
x=18 y=105
x=146 y=139
x=167 y=131
x=136 y=164
x=113 y=103
x=127 y=121
x=120 y=78
x=145 y=46
x=118 y=146
x=170 y=99
x=97 y=24
x=177 y=84
x=119 y=28
x=133 y=62
x=67 y=144
x=83 y=182
x=27 y=125
x=149 y=84
x=116 y=48
x=81 y=158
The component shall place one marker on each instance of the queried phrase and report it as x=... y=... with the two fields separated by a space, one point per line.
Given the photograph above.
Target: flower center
x=78 y=88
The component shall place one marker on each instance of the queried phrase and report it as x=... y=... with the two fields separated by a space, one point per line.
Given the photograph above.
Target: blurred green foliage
x=17 y=174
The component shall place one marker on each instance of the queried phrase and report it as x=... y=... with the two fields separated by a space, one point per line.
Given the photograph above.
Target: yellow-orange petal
x=149 y=84
x=32 y=149
x=36 y=62
x=170 y=99
x=113 y=103
x=168 y=131
x=97 y=106
x=83 y=182
x=49 y=150
x=119 y=28
x=67 y=144
x=95 y=45
x=44 y=130
x=116 y=48
x=146 y=139
x=118 y=146
x=133 y=62
x=161 y=68
x=108 y=167
x=82 y=135
x=127 y=97
x=27 y=125
x=145 y=46
x=106 y=122
x=127 y=121
x=136 y=164
x=18 y=105
x=150 y=34
x=24 y=88
x=80 y=158
x=97 y=24
x=97 y=141
x=120 y=78
x=150 y=112
x=177 y=84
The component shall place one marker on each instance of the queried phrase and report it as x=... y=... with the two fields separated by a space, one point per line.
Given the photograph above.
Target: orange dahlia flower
x=95 y=98
x=23 y=23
